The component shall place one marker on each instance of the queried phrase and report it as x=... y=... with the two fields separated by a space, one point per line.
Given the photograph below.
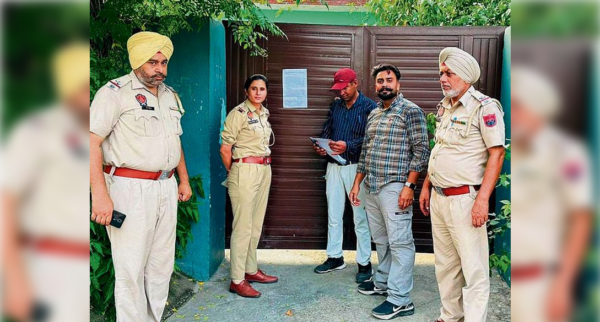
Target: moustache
x=159 y=75
x=386 y=89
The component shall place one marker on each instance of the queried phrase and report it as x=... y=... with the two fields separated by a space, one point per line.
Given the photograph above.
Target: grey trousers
x=391 y=229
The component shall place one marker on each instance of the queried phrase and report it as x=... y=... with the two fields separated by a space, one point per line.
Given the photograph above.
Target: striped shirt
x=348 y=125
x=396 y=142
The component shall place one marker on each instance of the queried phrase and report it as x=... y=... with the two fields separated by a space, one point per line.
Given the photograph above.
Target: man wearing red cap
x=345 y=127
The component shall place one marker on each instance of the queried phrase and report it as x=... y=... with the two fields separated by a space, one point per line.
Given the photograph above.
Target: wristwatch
x=410 y=185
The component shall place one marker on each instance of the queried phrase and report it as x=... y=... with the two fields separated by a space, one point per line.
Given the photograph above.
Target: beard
x=451 y=93
x=391 y=94
x=151 y=80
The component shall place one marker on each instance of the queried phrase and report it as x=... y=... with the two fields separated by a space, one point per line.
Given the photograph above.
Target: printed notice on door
x=295 y=88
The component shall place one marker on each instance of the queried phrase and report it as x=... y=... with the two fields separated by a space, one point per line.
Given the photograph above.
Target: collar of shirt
x=462 y=100
x=137 y=84
x=358 y=102
x=395 y=104
x=253 y=109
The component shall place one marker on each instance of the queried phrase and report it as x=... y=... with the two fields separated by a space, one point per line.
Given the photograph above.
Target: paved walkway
x=302 y=295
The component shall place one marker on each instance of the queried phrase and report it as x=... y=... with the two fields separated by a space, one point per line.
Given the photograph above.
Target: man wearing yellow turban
x=135 y=150
x=44 y=188
x=463 y=169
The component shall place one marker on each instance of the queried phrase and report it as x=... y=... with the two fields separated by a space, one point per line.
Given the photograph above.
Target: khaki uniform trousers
x=143 y=249
x=529 y=299
x=461 y=258
x=61 y=282
x=249 y=186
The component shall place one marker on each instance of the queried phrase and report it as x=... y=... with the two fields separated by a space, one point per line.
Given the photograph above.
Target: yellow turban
x=71 y=69
x=460 y=62
x=143 y=45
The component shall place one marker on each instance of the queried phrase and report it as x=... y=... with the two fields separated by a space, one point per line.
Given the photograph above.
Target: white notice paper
x=295 y=88
x=324 y=144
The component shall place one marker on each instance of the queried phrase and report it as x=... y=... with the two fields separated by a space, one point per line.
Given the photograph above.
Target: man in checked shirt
x=395 y=151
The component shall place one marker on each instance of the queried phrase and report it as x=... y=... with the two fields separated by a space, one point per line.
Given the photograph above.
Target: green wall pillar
x=197 y=72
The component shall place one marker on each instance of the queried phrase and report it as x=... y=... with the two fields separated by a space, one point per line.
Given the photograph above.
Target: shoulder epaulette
x=241 y=109
x=482 y=98
x=486 y=100
x=117 y=83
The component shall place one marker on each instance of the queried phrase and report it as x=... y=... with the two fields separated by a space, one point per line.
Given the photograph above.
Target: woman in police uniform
x=246 y=156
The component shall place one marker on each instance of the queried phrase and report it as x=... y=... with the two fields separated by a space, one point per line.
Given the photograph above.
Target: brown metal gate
x=297 y=212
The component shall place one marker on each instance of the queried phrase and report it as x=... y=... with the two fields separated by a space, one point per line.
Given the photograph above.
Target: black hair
x=256 y=77
x=383 y=67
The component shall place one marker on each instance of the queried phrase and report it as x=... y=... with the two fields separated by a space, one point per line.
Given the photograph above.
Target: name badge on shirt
x=252 y=121
x=143 y=102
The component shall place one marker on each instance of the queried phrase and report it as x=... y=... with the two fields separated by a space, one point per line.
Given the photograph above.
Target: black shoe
x=369 y=288
x=364 y=273
x=388 y=311
x=331 y=264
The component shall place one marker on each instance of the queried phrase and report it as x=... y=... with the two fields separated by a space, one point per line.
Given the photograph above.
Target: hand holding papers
x=324 y=144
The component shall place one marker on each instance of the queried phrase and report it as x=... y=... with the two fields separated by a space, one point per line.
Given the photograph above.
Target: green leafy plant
x=188 y=214
x=431 y=125
x=102 y=273
x=501 y=262
x=113 y=22
x=441 y=12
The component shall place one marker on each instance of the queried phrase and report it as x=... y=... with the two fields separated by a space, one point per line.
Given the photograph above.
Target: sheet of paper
x=324 y=144
x=295 y=88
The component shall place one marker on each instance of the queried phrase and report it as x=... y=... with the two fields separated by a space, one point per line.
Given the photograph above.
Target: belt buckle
x=266 y=161
x=164 y=174
x=439 y=190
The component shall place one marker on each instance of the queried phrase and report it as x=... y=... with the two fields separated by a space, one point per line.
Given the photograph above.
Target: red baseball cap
x=342 y=78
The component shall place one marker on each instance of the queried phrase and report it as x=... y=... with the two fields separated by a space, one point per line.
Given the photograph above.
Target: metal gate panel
x=297 y=211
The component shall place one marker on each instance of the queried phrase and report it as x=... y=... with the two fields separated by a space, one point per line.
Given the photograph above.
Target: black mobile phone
x=117 y=219
x=40 y=312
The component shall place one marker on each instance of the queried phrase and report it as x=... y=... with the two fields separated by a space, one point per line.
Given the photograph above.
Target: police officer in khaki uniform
x=246 y=156
x=552 y=199
x=134 y=135
x=46 y=252
x=463 y=169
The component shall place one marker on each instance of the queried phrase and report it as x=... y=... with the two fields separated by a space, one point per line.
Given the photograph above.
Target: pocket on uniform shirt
x=176 y=120
x=147 y=123
x=456 y=134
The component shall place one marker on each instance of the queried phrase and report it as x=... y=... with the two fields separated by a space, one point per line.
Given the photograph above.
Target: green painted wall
x=319 y=15
x=197 y=72
x=502 y=244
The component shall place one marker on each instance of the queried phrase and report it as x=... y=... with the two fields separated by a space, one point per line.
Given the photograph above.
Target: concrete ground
x=302 y=295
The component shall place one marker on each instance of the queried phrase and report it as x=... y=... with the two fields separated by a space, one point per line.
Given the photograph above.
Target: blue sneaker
x=388 y=310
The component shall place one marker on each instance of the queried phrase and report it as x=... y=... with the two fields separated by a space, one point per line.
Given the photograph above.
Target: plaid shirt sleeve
x=418 y=139
x=360 y=168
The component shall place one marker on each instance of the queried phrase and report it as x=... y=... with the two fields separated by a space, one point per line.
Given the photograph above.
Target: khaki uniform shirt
x=46 y=166
x=550 y=181
x=463 y=135
x=141 y=130
x=248 y=131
